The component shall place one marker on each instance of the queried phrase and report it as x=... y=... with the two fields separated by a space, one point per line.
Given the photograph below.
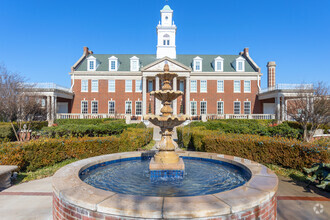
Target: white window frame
x=240 y=60
x=203 y=89
x=128 y=85
x=191 y=108
x=133 y=60
x=221 y=109
x=205 y=107
x=246 y=108
x=196 y=60
x=97 y=104
x=138 y=85
x=247 y=89
x=126 y=107
x=239 y=88
x=150 y=88
x=89 y=60
x=181 y=86
x=83 y=90
x=115 y=59
x=239 y=108
x=114 y=107
x=81 y=106
x=110 y=89
x=95 y=85
x=219 y=88
x=193 y=89
x=216 y=61
x=136 y=107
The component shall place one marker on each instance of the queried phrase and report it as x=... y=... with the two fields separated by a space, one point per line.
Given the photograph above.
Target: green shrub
x=288 y=153
x=319 y=173
x=248 y=126
x=94 y=121
x=46 y=152
x=7 y=133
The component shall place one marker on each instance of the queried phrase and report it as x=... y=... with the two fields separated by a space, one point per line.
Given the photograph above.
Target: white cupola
x=166 y=31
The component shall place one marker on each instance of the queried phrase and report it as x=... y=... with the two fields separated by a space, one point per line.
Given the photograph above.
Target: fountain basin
x=73 y=197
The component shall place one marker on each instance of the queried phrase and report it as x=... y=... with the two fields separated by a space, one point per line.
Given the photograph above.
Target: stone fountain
x=166 y=159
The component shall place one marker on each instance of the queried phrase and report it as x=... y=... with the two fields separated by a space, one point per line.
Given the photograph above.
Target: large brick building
x=121 y=83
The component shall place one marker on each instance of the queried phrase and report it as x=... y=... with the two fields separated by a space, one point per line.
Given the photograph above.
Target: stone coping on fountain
x=75 y=198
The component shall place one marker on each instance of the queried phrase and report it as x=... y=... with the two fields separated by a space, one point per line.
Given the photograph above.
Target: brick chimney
x=271 y=66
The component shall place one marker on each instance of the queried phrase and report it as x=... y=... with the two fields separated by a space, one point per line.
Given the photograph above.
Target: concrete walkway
x=33 y=200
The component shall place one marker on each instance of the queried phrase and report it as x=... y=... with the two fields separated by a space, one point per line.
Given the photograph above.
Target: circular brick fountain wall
x=74 y=199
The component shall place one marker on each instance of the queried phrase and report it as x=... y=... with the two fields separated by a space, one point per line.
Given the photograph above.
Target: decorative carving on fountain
x=166 y=158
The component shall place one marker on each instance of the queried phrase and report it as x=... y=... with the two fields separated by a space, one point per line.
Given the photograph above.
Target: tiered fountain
x=166 y=163
x=120 y=186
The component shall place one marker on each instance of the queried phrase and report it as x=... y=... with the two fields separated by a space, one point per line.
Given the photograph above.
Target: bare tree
x=311 y=108
x=17 y=101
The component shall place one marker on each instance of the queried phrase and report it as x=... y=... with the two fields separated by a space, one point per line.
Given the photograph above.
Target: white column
x=55 y=107
x=282 y=108
x=286 y=109
x=175 y=105
x=48 y=108
x=52 y=108
x=277 y=106
x=158 y=103
x=187 y=95
x=144 y=95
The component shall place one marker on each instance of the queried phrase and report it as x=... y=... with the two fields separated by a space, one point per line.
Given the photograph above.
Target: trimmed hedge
x=94 y=121
x=248 y=126
x=99 y=128
x=46 y=152
x=289 y=153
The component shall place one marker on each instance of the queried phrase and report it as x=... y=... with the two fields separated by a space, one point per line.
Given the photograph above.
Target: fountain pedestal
x=166 y=163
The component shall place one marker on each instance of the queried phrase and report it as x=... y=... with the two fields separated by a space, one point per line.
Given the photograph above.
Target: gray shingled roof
x=146 y=59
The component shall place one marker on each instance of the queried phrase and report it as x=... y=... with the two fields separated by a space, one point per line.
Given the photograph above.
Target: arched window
x=166 y=39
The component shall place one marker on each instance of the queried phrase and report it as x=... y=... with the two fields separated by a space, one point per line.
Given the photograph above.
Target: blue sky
x=43 y=39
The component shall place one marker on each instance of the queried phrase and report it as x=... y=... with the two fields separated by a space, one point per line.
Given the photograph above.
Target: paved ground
x=33 y=200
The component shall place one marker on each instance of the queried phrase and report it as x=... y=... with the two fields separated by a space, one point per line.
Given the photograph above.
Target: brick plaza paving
x=33 y=200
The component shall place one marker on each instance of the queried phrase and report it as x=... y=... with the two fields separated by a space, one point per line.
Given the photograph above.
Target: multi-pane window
x=84 y=85
x=113 y=65
x=95 y=85
x=181 y=86
x=193 y=108
x=138 y=85
x=220 y=108
x=91 y=65
x=218 y=66
x=240 y=66
x=220 y=87
x=111 y=85
x=138 y=108
x=247 y=86
x=128 y=107
x=128 y=85
x=203 y=86
x=95 y=107
x=84 y=107
x=247 y=108
x=150 y=86
x=203 y=108
x=134 y=65
x=112 y=107
x=237 y=86
x=164 y=42
x=237 y=107
x=193 y=86
x=197 y=65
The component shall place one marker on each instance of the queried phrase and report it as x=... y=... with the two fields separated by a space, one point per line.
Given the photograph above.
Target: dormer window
x=240 y=64
x=197 y=64
x=113 y=63
x=135 y=63
x=218 y=64
x=91 y=63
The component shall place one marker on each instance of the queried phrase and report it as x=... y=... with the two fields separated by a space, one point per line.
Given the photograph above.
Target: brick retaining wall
x=64 y=210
